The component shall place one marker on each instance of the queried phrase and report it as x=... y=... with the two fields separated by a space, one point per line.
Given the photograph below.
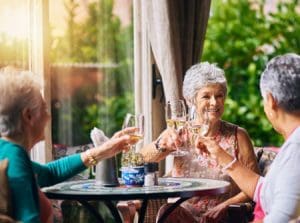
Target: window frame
x=143 y=60
x=39 y=64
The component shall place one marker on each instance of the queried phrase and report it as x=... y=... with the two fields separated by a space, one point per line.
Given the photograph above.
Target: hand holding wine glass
x=176 y=119
x=135 y=121
x=195 y=127
x=131 y=157
x=198 y=129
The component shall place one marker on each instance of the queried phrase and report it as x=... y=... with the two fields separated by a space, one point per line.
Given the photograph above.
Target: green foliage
x=99 y=39
x=14 y=51
x=241 y=39
x=107 y=114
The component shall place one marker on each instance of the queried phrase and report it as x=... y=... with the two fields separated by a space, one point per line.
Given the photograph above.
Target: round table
x=88 y=190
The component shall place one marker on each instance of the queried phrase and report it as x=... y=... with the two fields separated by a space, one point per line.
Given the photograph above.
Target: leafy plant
x=241 y=38
x=99 y=39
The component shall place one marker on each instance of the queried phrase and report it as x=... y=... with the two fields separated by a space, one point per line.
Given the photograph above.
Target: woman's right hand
x=208 y=146
x=170 y=139
x=125 y=131
x=120 y=141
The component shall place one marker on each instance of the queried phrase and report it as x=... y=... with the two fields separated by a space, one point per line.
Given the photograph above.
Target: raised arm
x=244 y=177
x=162 y=146
x=248 y=159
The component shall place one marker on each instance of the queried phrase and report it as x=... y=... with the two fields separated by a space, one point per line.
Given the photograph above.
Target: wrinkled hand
x=208 y=146
x=126 y=131
x=170 y=139
x=120 y=141
x=215 y=214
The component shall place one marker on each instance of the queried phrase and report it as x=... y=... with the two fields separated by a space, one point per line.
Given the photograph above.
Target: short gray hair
x=201 y=75
x=18 y=90
x=281 y=78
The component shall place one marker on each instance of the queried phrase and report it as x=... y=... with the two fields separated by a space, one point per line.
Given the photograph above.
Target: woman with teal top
x=23 y=117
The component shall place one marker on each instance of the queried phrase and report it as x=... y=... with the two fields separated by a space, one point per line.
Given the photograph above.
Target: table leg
x=169 y=210
x=92 y=210
x=113 y=210
x=142 y=212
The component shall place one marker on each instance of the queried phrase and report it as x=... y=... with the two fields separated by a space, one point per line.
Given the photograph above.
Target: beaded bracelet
x=91 y=159
x=227 y=166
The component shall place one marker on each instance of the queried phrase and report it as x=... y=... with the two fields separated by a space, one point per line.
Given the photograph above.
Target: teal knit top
x=26 y=176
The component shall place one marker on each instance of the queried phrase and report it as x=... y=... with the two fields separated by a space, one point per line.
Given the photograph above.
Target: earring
x=271 y=114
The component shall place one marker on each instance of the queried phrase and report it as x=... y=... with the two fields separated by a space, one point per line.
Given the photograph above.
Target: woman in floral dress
x=204 y=90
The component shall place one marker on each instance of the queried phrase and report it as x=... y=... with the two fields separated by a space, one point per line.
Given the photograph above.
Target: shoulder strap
x=236 y=151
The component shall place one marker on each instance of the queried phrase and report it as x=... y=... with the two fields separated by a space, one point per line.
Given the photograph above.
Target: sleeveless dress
x=191 y=166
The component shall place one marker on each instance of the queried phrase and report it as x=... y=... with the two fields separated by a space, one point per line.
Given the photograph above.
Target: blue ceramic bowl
x=133 y=176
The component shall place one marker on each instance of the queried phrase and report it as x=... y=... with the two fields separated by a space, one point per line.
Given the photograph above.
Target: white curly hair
x=199 y=76
x=282 y=79
x=18 y=90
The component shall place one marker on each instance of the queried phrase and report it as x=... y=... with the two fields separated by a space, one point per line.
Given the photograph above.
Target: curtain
x=176 y=31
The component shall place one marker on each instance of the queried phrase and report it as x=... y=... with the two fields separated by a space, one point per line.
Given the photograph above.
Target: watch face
x=160 y=149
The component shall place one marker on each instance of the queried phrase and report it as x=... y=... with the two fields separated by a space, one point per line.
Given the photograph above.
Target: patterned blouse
x=193 y=166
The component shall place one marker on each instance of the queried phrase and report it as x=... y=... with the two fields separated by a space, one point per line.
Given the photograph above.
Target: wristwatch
x=158 y=148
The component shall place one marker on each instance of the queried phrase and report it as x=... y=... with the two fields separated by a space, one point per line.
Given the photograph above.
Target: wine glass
x=176 y=119
x=194 y=125
x=196 y=129
x=135 y=121
x=131 y=158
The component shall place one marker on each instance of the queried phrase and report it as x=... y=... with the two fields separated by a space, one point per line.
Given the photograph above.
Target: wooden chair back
x=5 y=199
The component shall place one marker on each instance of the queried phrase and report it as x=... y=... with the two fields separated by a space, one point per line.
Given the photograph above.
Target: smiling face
x=210 y=99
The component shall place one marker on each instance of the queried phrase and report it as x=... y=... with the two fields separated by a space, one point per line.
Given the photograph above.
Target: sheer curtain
x=176 y=31
x=23 y=43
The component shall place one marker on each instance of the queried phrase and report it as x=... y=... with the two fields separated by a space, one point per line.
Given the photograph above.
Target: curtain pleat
x=176 y=33
x=176 y=30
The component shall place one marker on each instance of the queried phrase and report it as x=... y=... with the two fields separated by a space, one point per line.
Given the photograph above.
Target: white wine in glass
x=176 y=119
x=194 y=125
x=135 y=121
x=196 y=129
x=131 y=157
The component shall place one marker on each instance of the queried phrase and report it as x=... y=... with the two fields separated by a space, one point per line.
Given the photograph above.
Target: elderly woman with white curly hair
x=205 y=89
x=23 y=116
x=277 y=195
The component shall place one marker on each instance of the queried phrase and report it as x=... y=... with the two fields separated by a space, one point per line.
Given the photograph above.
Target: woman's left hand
x=215 y=214
x=209 y=146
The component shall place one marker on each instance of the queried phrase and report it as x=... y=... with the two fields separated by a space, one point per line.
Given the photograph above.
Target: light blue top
x=26 y=176
x=280 y=193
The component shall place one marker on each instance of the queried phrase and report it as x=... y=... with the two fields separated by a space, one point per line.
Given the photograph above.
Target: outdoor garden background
x=98 y=49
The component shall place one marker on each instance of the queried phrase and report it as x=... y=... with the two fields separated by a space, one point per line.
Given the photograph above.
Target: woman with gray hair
x=23 y=117
x=277 y=195
x=205 y=89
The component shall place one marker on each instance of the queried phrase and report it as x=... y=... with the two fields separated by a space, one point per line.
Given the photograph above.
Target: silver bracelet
x=227 y=166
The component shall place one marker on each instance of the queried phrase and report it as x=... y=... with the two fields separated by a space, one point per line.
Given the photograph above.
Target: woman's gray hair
x=18 y=90
x=201 y=75
x=281 y=78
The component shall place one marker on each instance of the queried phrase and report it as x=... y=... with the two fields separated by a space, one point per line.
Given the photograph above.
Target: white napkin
x=98 y=137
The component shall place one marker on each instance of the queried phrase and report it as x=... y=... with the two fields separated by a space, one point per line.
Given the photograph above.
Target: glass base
x=179 y=153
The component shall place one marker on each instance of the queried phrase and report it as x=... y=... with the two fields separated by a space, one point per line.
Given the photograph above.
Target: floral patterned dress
x=191 y=166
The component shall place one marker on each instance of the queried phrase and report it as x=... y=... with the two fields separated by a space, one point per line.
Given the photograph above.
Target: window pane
x=91 y=67
x=14 y=32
